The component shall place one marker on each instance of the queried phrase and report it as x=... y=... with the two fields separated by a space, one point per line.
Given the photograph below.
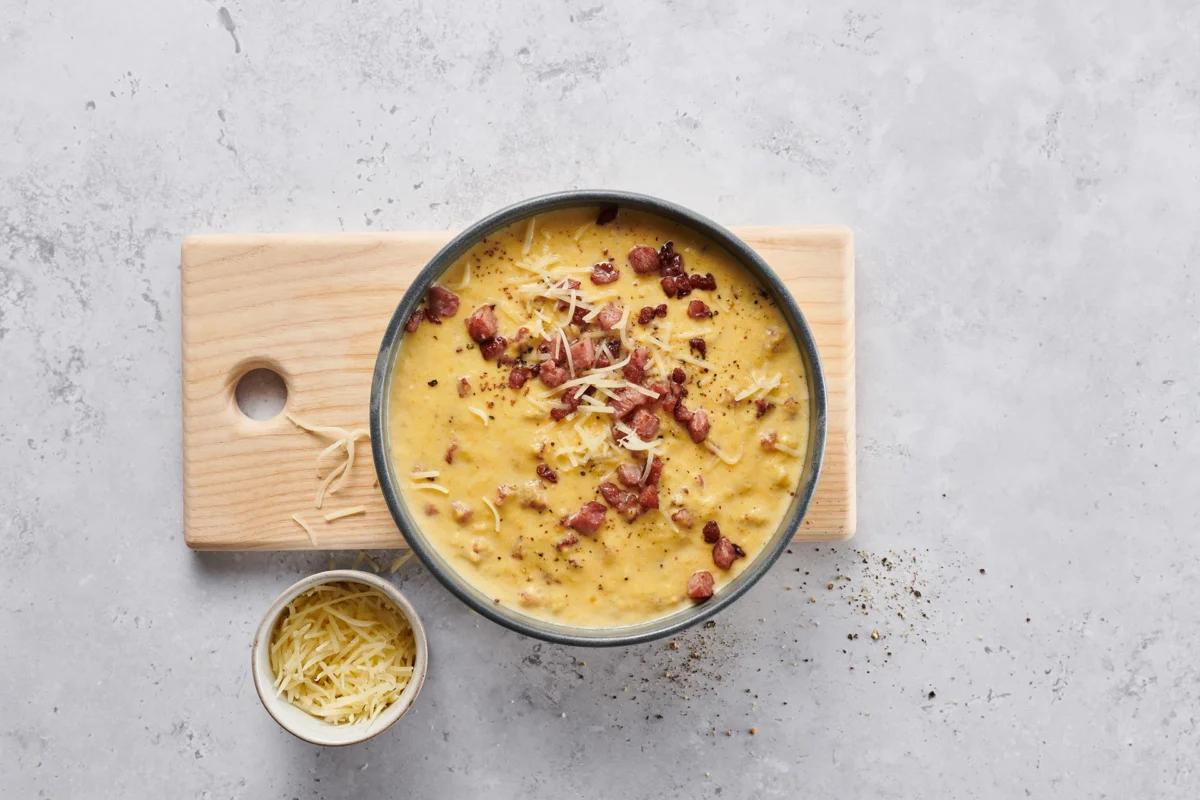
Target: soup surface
x=618 y=428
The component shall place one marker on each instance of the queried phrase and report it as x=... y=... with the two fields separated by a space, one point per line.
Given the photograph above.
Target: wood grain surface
x=313 y=308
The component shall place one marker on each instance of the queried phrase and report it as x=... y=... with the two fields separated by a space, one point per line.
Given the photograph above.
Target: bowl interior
x=389 y=480
x=306 y=726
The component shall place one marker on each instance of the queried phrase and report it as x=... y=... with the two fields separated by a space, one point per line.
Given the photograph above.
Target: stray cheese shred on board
x=342 y=652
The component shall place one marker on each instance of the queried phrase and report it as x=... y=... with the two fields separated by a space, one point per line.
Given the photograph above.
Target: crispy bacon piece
x=604 y=272
x=440 y=302
x=626 y=503
x=726 y=552
x=493 y=348
x=588 y=518
x=644 y=260
x=698 y=309
x=462 y=512
x=583 y=354
x=676 y=286
x=482 y=324
x=698 y=426
x=518 y=376
x=678 y=375
x=569 y=540
x=577 y=319
x=712 y=531
x=609 y=316
x=660 y=310
x=645 y=315
x=671 y=398
x=645 y=424
x=655 y=472
x=629 y=475
x=635 y=370
x=522 y=335
x=552 y=375
x=648 y=497
x=698 y=346
x=671 y=261
x=570 y=401
x=414 y=320
x=626 y=400
x=545 y=473
x=700 y=585
x=464 y=387
x=706 y=281
x=450 y=451
x=768 y=440
x=762 y=407
x=681 y=412
x=682 y=517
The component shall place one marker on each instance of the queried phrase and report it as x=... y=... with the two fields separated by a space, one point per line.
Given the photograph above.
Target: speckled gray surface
x=1024 y=183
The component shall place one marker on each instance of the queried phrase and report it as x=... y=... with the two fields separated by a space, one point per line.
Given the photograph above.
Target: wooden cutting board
x=313 y=308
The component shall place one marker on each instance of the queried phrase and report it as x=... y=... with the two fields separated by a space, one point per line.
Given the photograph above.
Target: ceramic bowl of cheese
x=597 y=417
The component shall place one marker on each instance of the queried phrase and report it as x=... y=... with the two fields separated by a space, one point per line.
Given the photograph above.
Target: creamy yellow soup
x=501 y=488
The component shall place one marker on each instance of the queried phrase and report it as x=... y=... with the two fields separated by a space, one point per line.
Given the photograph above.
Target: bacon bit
x=577 y=318
x=682 y=413
x=545 y=473
x=614 y=346
x=626 y=503
x=464 y=387
x=712 y=531
x=725 y=553
x=646 y=315
x=440 y=302
x=626 y=400
x=676 y=286
x=552 y=375
x=517 y=378
x=762 y=407
x=431 y=510
x=648 y=497
x=566 y=283
x=698 y=346
x=635 y=370
x=493 y=348
x=629 y=475
x=532 y=496
x=672 y=262
x=450 y=451
x=583 y=354
x=482 y=325
x=570 y=400
x=503 y=492
x=604 y=272
x=660 y=310
x=683 y=518
x=768 y=440
x=655 y=472
x=518 y=549
x=700 y=585
x=644 y=260
x=607 y=214
x=645 y=424
x=414 y=320
x=522 y=335
x=570 y=540
x=678 y=375
x=462 y=512
x=698 y=309
x=706 y=281
x=698 y=426
x=672 y=399
x=588 y=518
x=609 y=316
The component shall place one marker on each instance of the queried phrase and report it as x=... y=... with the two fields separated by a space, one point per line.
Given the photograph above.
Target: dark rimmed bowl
x=389 y=481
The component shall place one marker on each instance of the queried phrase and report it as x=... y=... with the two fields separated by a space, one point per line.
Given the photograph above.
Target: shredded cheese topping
x=342 y=652
x=479 y=412
x=431 y=487
x=333 y=516
x=312 y=537
x=495 y=511
x=760 y=387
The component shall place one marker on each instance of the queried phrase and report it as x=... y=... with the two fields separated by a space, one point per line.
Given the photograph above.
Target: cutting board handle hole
x=261 y=394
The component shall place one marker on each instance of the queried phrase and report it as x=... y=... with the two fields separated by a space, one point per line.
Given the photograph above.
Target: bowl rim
x=544 y=629
x=390 y=715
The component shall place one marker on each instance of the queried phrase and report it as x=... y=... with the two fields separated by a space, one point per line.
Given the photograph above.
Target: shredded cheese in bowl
x=339 y=657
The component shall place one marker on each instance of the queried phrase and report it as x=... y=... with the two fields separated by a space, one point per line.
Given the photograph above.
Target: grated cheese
x=721 y=454
x=479 y=412
x=760 y=387
x=465 y=281
x=342 y=653
x=429 y=473
x=333 y=516
x=528 y=243
x=495 y=512
x=431 y=487
x=398 y=562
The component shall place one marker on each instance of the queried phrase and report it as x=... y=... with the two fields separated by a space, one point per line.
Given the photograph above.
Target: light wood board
x=314 y=307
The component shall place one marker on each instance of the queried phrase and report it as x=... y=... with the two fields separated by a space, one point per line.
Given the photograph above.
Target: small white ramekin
x=303 y=725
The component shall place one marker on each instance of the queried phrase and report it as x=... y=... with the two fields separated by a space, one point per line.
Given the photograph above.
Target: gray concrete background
x=1024 y=183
